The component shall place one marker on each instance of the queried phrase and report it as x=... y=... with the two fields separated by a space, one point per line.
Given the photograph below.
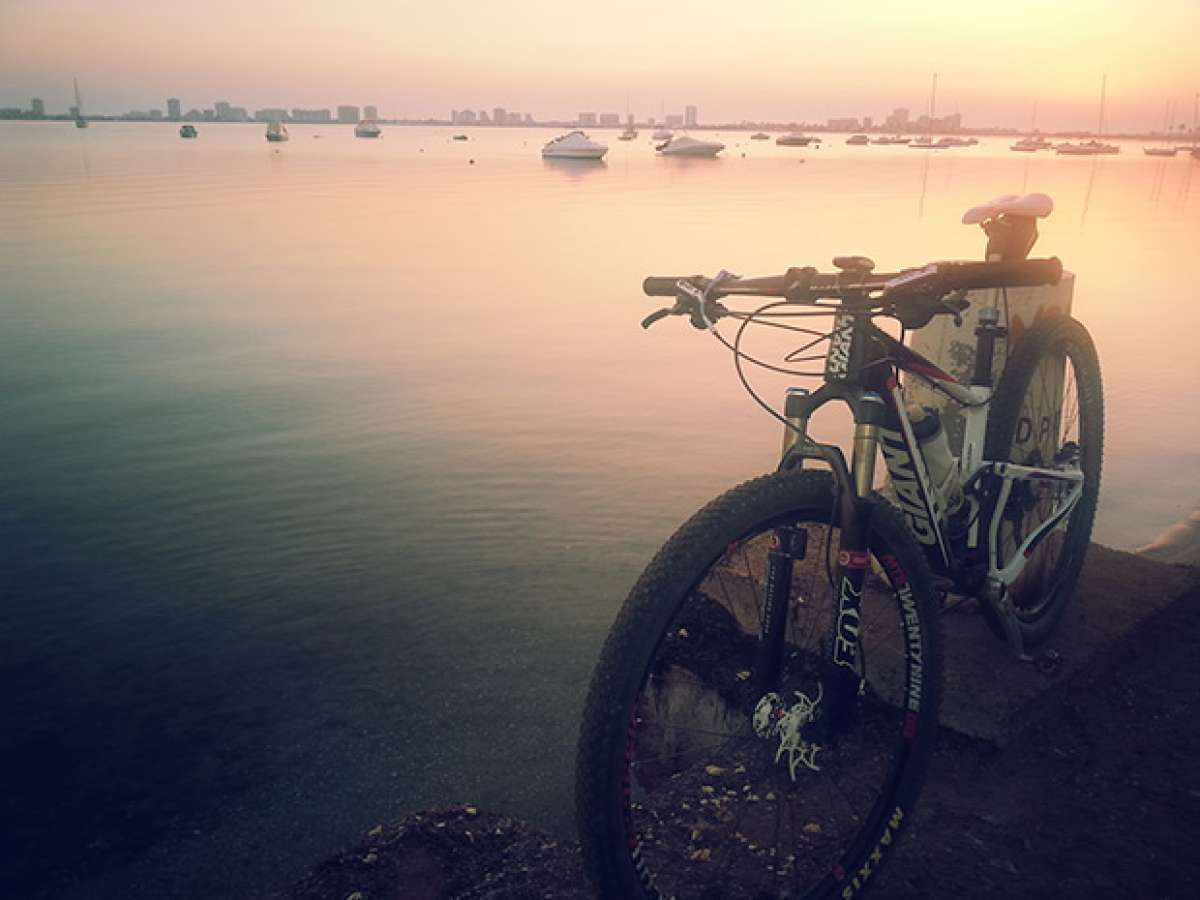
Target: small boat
x=80 y=121
x=188 y=131
x=796 y=139
x=662 y=134
x=760 y=136
x=459 y=137
x=277 y=131
x=574 y=145
x=926 y=143
x=628 y=134
x=689 y=146
x=894 y=139
x=1086 y=148
x=367 y=129
x=1159 y=151
x=1031 y=144
x=858 y=140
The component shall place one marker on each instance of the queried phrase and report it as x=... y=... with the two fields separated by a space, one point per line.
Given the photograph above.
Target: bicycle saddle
x=1036 y=206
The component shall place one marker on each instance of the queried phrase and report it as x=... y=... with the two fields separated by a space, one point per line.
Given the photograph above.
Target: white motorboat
x=1031 y=144
x=858 y=140
x=574 y=145
x=683 y=145
x=1086 y=148
x=760 y=136
x=367 y=128
x=277 y=131
x=628 y=134
x=795 y=139
x=662 y=134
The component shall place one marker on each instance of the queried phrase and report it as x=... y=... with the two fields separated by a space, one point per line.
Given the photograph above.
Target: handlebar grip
x=661 y=286
x=1006 y=273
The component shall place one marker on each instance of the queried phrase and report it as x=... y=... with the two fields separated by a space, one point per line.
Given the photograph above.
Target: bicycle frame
x=861 y=371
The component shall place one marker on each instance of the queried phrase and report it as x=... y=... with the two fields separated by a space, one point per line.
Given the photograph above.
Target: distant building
x=499 y=115
x=628 y=120
x=610 y=120
x=312 y=116
x=370 y=112
x=674 y=120
x=37 y=109
x=209 y=115
x=484 y=119
x=587 y=119
x=842 y=123
x=867 y=122
x=156 y=115
x=898 y=120
x=270 y=114
x=221 y=108
x=193 y=115
x=690 y=117
x=173 y=109
x=73 y=111
x=347 y=115
x=529 y=119
x=514 y=118
x=949 y=123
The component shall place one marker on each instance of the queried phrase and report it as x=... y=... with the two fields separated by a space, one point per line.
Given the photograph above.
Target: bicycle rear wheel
x=1048 y=410
x=678 y=794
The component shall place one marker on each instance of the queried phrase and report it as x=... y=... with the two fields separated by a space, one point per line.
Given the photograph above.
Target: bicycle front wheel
x=1048 y=411
x=680 y=790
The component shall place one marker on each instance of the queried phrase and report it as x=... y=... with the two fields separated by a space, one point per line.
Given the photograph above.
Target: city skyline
x=781 y=64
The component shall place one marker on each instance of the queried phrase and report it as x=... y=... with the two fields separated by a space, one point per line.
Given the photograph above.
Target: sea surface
x=324 y=466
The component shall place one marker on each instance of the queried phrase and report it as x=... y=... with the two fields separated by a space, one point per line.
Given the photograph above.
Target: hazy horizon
x=764 y=61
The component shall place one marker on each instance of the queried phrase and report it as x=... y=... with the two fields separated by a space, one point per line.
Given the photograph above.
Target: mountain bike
x=761 y=718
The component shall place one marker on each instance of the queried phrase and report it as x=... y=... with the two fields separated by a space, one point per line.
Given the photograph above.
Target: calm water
x=325 y=466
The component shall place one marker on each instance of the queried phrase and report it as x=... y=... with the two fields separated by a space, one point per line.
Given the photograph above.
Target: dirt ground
x=1097 y=795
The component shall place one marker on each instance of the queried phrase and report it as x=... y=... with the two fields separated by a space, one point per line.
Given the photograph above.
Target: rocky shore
x=1092 y=790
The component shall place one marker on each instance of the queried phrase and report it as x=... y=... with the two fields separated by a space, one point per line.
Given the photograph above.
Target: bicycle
x=762 y=714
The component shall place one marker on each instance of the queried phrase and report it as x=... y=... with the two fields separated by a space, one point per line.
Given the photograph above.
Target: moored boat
x=574 y=145
x=628 y=134
x=796 y=139
x=858 y=140
x=684 y=145
x=277 y=131
x=188 y=131
x=760 y=136
x=662 y=134
x=367 y=128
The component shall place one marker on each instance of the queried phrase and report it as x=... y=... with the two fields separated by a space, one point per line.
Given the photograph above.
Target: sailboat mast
x=1033 y=121
x=932 y=105
x=1103 y=89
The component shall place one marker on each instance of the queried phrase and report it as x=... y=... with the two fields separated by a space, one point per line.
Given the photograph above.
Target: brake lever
x=655 y=316
x=957 y=303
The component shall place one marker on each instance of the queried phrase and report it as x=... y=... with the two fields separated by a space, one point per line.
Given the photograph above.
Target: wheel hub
x=775 y=720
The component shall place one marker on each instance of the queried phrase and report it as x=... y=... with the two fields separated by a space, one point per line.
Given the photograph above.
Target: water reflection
x=574 y=169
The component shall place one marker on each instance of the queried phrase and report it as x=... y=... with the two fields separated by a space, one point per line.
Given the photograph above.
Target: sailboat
x=80 y=121
x=1168 y=124
x=1092 y=147
x=1035 y=141
x=926 y=142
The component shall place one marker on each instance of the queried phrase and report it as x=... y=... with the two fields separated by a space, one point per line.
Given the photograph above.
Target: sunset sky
x=756 y=59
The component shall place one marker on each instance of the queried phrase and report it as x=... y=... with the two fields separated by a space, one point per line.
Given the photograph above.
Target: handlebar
x=806 y=285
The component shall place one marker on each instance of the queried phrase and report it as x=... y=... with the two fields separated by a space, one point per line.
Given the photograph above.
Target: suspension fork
x=843 y=667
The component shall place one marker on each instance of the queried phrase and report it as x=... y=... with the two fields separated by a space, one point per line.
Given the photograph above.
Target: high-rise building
x=529 y=119
x=842 y=123
x=312 y=116
x=221 y=109
x=867 y=122
x=898 y=120
x=690 y=116
x=514 y=118
x=347 y=115
x=587 y=119
x=270 y=114
x=499 y=115
x=628 y=120
x=370 y=112
x=173 y=108
x=155 y=115
x=467 y=117
x=37 y=109
x=483 y=118
x=610 y=120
